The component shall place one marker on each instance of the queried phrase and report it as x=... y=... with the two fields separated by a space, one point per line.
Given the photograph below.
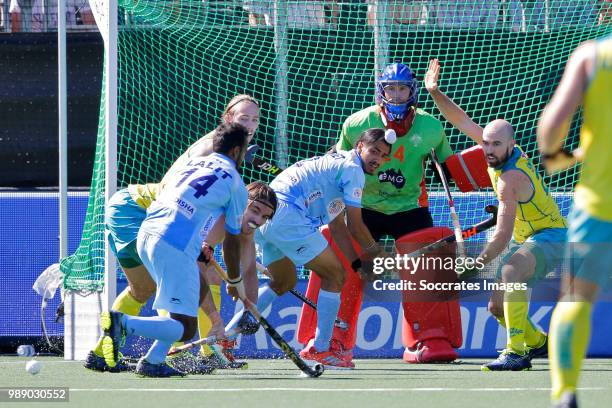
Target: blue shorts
x=122 y=222
x=176 y=275
x=547 y=248
x=589 y=247
x=292 y=234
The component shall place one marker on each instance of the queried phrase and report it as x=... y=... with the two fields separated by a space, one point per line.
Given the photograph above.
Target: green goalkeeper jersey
x=396 y=186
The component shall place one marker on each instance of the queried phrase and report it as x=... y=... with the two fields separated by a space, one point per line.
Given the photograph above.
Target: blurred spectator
x=400 y=11
x=301 y=14
x=605 y=12
x=466 y=13
x=572 y=12
x=39 y=15
x=22 y=15
x=78 y=13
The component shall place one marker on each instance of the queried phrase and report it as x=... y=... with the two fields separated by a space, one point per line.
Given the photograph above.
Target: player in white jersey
x=312 y=193
x=169 y=243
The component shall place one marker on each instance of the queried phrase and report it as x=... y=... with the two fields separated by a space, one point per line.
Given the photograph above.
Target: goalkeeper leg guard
x=431 y=329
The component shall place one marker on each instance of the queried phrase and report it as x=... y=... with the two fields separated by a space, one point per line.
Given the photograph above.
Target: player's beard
x=498 y=162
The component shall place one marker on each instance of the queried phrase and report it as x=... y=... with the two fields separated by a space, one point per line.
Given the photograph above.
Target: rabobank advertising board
x=379 y=331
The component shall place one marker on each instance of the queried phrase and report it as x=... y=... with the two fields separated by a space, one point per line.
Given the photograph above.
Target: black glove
x=206 y=254
x=250 y=153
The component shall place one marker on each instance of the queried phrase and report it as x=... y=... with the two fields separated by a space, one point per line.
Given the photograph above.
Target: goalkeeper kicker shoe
x=162 y=370
x=114 y=336
x=508 y=360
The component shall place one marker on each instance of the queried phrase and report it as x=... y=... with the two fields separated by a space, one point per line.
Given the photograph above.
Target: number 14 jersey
x=201 y=191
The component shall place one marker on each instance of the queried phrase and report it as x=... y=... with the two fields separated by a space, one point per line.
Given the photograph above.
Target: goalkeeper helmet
x=397 y=74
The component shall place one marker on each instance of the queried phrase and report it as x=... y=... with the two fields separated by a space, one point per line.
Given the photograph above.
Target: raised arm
x=449 y=109
x=558 y=114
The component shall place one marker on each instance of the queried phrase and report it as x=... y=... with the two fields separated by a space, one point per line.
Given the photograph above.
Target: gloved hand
x=206 y=253
x=250 y=153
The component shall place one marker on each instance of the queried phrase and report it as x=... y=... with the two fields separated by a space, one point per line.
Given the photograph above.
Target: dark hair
x=263 y=193
x=229 y=135
x=372 y=136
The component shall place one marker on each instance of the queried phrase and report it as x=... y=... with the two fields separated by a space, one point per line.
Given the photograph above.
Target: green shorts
x=546 y=246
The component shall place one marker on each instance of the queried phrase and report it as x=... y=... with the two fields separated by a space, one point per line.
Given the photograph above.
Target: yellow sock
x=124 y=303
x=515 y=312
x=533 y=336
x=570 y=330
x=204 y=322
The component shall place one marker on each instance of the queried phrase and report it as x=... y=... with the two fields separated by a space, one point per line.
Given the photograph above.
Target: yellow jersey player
x=124 y=214
x=528 y=219
x=588 y=81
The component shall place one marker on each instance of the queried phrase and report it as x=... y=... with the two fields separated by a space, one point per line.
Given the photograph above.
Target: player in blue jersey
x=312 y=193
x=169 y=243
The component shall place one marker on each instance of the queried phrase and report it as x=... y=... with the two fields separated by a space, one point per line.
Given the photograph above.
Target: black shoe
x=567 y=400
x=163 y=370
x=95 y=362
x=190 y=364
x=508 y=361
x=539 y=352
x=114 y=336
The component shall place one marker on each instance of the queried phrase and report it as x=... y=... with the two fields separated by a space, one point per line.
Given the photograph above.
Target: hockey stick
x=341 y=324
x=451 y=204
x=466 y=233
x=314 y=371
x=207 y=340
x=265 y=166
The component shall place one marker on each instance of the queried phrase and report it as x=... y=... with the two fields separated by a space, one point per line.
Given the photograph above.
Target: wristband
x=356 y=264
x=548 y=156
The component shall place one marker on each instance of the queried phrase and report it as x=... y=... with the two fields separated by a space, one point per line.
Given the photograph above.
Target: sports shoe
x=508 y=360
x=247 y=323
x=188 y=363
x=95 y=362
x=567 y=400
x=538 y=352
x=146 y=369
x=345 y=355
x=114 y=336
x=328 y=358
x=223 y=355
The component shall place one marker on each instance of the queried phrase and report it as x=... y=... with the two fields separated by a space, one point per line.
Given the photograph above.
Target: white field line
x=267 y=389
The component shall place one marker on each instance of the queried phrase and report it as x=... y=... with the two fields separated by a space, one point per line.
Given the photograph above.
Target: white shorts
x=290 y=233
x=176 y=275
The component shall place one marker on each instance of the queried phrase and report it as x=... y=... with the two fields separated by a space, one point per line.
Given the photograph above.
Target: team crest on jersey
x=416 y=139
x=335 y=207
x=396 y=178
x=357 y=193
x=184 y=207
x=315 y=195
